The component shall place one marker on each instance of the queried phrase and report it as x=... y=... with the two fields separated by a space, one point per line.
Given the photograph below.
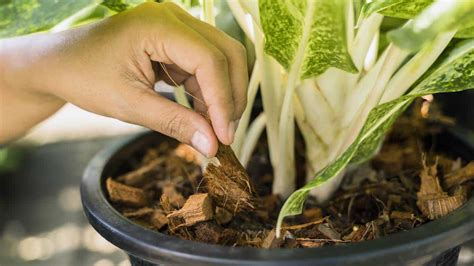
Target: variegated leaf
x=19 y=17
x=310 y=32
x=441 y=16
x=395 y=8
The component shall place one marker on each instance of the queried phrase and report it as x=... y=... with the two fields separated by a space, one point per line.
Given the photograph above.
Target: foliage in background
x=19 y=17
x=10 y=159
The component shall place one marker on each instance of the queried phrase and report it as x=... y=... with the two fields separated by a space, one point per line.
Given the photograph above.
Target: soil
x=406 y=185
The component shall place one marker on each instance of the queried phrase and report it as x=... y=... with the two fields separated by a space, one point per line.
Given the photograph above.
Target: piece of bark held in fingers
x=198 y=208
x=432 y=201
x=459 y=176
x=228 y=183
x=138 y=176
x=126 y=195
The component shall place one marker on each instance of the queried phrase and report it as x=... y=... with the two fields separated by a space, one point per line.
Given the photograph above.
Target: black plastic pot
x=436 y=243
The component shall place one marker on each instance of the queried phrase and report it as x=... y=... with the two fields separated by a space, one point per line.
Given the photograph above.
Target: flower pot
x=435 y=243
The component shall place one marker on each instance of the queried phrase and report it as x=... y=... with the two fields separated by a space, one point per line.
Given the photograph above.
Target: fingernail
x=232 y=128
x=201 y=143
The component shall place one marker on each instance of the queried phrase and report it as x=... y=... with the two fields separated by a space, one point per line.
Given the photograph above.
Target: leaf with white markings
x=309 y=33
x=18 y=17
x=395 y=8
x=441 y=16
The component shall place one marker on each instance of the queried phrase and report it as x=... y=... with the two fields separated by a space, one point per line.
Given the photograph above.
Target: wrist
x=28 y=63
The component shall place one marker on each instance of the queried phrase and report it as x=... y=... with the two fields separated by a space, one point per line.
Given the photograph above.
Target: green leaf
x=454 y=73
x=309 y=33
x=18 y=17
x=395 y=8
x=467 y=30
x=407 y=9
x=121 y=5
x=441 y=16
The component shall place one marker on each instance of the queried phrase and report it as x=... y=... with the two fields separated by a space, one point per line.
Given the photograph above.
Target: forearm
x=22 y=103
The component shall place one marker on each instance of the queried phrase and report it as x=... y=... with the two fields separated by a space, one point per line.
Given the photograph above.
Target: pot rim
x=431 y=238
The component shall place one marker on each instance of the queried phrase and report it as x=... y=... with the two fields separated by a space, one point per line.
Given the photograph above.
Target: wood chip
x=165 y=204
x=174 y=198
x=271 y=241
x=138 y=213
x=312 y=243
x=150 y=155
x=433 y=202
x=394 y=199
x=301 y=226
x=158 y=219
x=124 y=194
x=188 y=153
x=197 y=208
x=326 y=230
x=459 y=176
x=436 y=208
x=313 y=214
x=402 y=215
x=138 y=176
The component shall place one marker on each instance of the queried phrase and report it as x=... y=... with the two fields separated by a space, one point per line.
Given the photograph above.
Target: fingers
x=153 y=111
x=193 y=52
x=192 y=86
x=233 y=50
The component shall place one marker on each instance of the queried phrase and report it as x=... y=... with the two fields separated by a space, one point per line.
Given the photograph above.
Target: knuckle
x=174 y=126
x=240 y=49
x=147 y=7
x=170 y=5
x=218 y=59
x=155 y=11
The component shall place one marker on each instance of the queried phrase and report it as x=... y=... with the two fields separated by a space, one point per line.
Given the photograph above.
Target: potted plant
x=342 y=71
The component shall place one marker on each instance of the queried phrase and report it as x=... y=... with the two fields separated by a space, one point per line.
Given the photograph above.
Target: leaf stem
x=245 y=119
x=253 y=135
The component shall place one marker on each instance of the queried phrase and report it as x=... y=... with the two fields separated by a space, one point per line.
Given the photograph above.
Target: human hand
x=110 y=68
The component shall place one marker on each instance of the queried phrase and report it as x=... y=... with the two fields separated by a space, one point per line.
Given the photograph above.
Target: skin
x=110 y=68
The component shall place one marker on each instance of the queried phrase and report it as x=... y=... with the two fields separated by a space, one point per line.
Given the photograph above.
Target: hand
x=110 y=68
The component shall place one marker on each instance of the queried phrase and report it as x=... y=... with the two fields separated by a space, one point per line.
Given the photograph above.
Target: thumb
x=153 y=111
